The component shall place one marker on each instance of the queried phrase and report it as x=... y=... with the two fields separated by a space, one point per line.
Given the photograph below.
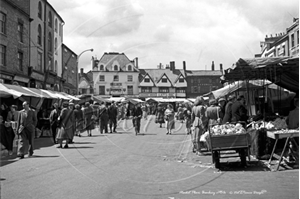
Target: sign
x=5 y=77
x=21 y=79
x=157 y=94
x=116 y=84
x=37 y=76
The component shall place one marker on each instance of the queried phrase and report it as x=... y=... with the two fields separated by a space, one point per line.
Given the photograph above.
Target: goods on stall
x=278 y=123
x=227 y=129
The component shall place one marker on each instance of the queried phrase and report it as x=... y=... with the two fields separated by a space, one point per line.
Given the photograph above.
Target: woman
x=53 y=121
x=88 y=113
x=188 y=118
x=4 y=111
x=145 y=111
x=66 y=124
x=8 y=138
x=199 y=121
x=170 y=119
x=78 y=114
x=159 y=115
x=137 y=115
x=180 y=115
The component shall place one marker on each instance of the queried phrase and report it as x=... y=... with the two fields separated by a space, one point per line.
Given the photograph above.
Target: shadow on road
x=236 y=166
x=76 y=147
x=85 y=143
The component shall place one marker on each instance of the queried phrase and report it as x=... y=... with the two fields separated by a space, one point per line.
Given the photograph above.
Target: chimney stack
x=213 y=66
x=172 y=66
x=221 y=68
x=136 y=62
x=184 y=67
x=81 y=71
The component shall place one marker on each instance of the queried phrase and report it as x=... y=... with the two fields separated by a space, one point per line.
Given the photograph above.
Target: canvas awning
x=6 y=92
x=22 y=90
x=283 y=71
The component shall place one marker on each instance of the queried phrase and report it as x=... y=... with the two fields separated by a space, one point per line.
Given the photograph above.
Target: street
x=149 y=165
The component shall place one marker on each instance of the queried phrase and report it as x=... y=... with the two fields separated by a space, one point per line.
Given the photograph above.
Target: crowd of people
x=73 y=119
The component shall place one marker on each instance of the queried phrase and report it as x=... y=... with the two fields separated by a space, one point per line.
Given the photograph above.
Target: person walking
x=103 y=118
x=170 y=119
x=54 y=121
x=66 y=122
x=26 y=129
x=228 y=110
x=145 y=111
x=88 y=113
x=199 y=121
x=159 y=115
x=72 y=132
x=137 y=115
x=213 y=113
x=180 y=115
x=112 y=117
x=78 y=114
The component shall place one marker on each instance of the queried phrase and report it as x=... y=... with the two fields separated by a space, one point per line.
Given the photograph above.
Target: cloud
x=163 y=33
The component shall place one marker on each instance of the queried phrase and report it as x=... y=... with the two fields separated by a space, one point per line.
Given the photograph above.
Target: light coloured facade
x=115 y=75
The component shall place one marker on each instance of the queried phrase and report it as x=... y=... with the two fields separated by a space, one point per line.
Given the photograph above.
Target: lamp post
x=77 y=86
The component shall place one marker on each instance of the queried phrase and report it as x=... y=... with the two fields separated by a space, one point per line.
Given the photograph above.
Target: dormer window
x=164 y=80
x=147 y=80
x=181 y=80
x=129 y=68
x=101 y=67
x=115 y=67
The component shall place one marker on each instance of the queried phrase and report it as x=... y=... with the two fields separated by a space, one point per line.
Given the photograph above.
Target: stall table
x=282 y=134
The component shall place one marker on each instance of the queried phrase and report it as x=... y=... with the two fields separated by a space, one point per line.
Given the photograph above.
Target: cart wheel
x=243 y=157
x=217 y=159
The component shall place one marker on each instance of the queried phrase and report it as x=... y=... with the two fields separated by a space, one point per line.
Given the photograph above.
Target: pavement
x=149 y=165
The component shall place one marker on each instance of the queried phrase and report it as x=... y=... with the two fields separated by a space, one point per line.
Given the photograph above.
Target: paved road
x=150 y=165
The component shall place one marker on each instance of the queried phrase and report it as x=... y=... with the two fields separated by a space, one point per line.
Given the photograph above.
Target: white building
x=115 y=75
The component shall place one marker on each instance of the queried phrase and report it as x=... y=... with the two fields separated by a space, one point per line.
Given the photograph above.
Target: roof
x=157 y=74
x=203 y=73
x=109 y=58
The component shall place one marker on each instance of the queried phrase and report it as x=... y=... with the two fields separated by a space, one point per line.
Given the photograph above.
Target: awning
x=283 y=71
x=6 y=92
x=69 y=96
x=22 y=90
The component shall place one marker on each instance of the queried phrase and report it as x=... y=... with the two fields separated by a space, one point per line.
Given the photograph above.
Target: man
x=228 y=110
x=239 y=111
x=112 y=116
x=53 y=121
x=222 y=104
x=137 y=115
x=26 y=129
x=103 y=118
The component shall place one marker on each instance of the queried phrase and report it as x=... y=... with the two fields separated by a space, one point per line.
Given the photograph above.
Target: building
x=46 y=32
x=115 y=75
x=282 y=44
x=68 y=73
x=162 y=82
x=86 y=84
x=14 y=41
x=201 y=82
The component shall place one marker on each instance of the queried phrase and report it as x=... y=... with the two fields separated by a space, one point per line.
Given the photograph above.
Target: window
x=3 y=23
x=50 y=66
x=115 y=67
x=194 y=89
x=40 y=11
x=39 y=35
x=116 y=78
x=181 y=80
x=55 y=66
x=130 y=90
x=192 y=81
x=101 y=90
x=129 y=78
x=147 y=80
x=163 y=90
x=55 y=25
x=55 y=45
x=20 y=31
x=39 y=62
x=292 y=40
x=180 y=90
x=50 y=19
x=102 y=78
x=298 y=37
x=2 y=55
x=129 y=68
x=49 y=42
x=101 y=67
x=20 y=60
x=164 y=80
x=146 y=89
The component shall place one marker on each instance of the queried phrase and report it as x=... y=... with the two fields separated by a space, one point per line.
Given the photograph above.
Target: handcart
x=229 y=142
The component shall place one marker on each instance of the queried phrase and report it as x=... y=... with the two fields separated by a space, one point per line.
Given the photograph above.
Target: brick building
x=14 y=41
x=68 y=81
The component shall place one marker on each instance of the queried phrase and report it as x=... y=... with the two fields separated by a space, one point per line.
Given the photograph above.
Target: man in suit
x=239 y=110
x=112 y=115
x=26 y=129
x=103 y=118
x=228 y=110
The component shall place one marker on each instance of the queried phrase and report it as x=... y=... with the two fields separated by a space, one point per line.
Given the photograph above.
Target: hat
x=14 y=106
x=71 y=104
x=87 y=104
x=65 y=104
x=221 y=99
x=212 y=101
x=231 y=97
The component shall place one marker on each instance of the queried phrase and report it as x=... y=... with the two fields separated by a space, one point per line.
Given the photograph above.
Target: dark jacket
x=137 y=112
x=239 y=112
x=228 y=113
x=103 y=112
x=112 y=112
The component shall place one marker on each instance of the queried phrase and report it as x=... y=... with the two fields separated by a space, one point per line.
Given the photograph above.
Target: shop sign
x=157 y=94
x=21 y=79
x=37 y=76
x=6 y=77
x=116 y=84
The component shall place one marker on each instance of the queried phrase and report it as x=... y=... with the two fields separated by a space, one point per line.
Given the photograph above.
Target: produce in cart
x=227 y=129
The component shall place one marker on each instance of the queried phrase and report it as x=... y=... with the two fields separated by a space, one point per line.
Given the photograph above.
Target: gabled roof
x=141 y=78
x=88 y=76
x=157 y=74
x=109 y=58
x=203 y=73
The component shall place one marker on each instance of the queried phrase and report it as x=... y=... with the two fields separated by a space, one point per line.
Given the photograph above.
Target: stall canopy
x=6 y=92
x=283 y=71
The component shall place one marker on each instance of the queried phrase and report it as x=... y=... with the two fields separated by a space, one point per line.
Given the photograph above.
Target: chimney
x=221 y=68
x=136 y=62
x=81 y=71
x=172 y=66
x=213 y=66
x=184 y=67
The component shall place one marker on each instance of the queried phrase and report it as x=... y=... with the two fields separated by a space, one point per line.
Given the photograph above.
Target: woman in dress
x=170 y=119
x=88 y=113
x=180 y=115
x=145 y=111
x=78 y=120
x=159 y=115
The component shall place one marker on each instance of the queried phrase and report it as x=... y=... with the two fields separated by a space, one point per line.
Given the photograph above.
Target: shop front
x=22 y=81
x=36 y=80
x=5 y=79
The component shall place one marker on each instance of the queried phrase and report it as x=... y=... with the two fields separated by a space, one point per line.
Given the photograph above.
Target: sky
x=159 y=31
